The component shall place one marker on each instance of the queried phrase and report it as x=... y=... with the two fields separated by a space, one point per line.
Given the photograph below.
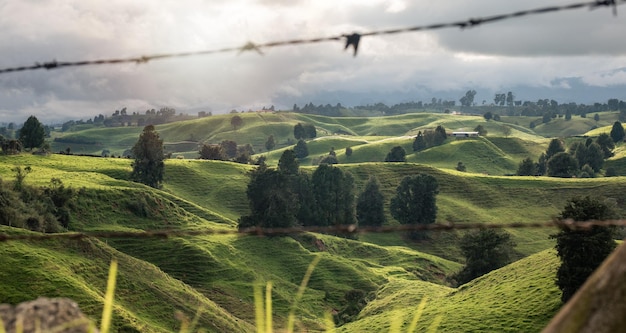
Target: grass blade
x=258 y=308
x=268 y=307
x=108 y=298
x=303 y=284
x=417 y=315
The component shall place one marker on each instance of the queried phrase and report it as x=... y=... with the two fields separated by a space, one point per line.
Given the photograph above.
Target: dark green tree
x=440 y=135
x=32 y=133
x=542 y=164
x=270 y=143
x=606 y=143
x=419 y=143
x=310 y=131
x=482 y=131
x=397 y=154
x=596 y=117
x=272 y=201
x=582 y=251
x=236 y=122
x=555 y=146
x=288 y=164
x=229 y=147
x=349 y=151
x=299 y=132
x=370 y=204
x=468 y=99
x=333 y=191
x=415 y=201
x=148 y=166
x=617 y=132
x=329 y=159
x=301 y=149
x=527 y=167
x=488 y=115
x=484 y=250
x=460 y=166
x=212 y=152
x=562 y=165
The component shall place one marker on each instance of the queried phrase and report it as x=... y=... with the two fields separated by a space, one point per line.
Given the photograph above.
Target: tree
x=419 y=143
x=299 y=132
x=527 y=167
x=310 y=131
x=510 y=99
x=481 y=130
x=148 y=166
x=301 y=149
x=440 y=135
x=617 y=132
x=397 y=154
x=370 y=204
x=329 y=159
x=415 y=201
x=555 y=146
x=236 y=122
x=468 y=99
x=270 y=143
x=506 y=130
x=582 y=251
x=333 y=191
x=484 y=250
x=606 y=143
x=229 y=147
x=32 y=133
x=562 y=165
x=349 y=151
x=212 y=152
x=460 y=166
x=272 y=201
x=287 y=163
x=596 y=117
x=488 y=115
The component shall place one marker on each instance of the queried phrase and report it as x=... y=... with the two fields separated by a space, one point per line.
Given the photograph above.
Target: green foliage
x=527 y=167
x=555 y=146
x=397 y=154
x=329 y=159
x=370 y=205
x=148 y=166
x=419 y=143
x=333 y=191
x=270 y=143
x=582 y=251
x=349 y=151
x=415 y=201
x=229 y=147
x=236 y=122
x=301 y=150
x=212 y=152
x=606 y=143
x=272 y=203
x=481 y=130
x=298 y=131
x=617 y=132
x=460 y=167
x=288 y=164
x=488 y=115
x=484 y=250
x=562 y=165
x=32 y=133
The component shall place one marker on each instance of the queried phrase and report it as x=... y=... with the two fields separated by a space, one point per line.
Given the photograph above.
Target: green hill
x=520 y=297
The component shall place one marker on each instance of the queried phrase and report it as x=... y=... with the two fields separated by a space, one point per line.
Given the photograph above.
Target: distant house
x=465 y=134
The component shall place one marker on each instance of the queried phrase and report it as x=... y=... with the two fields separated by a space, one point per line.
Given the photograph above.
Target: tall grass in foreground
x=263 y=310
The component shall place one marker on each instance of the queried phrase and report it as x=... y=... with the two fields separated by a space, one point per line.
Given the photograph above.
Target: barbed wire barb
x=351 y=39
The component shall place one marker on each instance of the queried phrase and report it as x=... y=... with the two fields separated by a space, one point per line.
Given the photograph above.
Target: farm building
x=465 y=134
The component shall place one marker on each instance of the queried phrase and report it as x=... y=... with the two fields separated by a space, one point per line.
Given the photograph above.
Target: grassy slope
x=520 y=297
x=146 y=298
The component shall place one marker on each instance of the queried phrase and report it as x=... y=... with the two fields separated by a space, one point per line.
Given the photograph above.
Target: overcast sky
x=575 y=56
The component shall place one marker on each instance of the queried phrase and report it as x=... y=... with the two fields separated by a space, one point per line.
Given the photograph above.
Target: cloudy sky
x=575 y=56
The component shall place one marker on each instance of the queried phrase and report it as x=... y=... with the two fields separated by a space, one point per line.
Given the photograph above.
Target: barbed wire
x=566 y=224
x=351 y=40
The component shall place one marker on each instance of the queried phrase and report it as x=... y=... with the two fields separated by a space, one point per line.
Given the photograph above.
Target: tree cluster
x=148 y=165
x=304 y=131
x=484 y=251
x=227 y=150
x=415 y=202
x=583 y=159
x=429 y=139
x=582 y=251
